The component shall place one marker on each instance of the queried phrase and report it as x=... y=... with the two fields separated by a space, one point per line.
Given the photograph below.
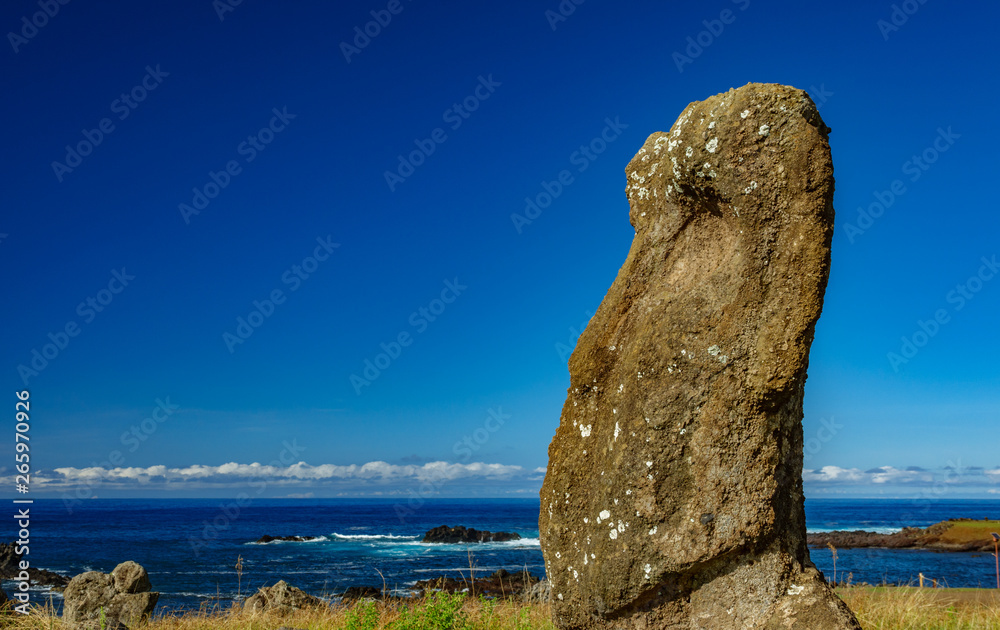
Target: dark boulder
x=460 y=534
x=9 y=559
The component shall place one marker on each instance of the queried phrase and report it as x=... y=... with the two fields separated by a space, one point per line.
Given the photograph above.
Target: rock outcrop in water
x=673 y=496
x=460 y=534
x=267 y=538
x=961 y=534
x=123 y=597
x=9 y=569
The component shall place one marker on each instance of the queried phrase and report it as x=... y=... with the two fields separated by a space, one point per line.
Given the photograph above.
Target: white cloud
x=952 y=476
x=299 y=474
x=832 y=474
x=889 y=474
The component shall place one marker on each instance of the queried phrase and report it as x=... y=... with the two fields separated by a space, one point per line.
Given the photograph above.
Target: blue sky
x=245 y=222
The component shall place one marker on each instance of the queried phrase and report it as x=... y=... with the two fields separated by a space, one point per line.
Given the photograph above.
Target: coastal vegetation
x=877 y=608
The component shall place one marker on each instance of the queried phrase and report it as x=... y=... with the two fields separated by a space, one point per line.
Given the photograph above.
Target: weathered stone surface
x=281 y=598
x=130 y=577
x=673 y=497
x=122 y=594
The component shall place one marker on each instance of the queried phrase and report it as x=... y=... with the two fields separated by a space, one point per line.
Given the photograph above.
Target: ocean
x=190 y=547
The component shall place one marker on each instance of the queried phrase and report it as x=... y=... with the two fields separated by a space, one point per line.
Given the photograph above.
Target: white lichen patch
x=711 y=125
x=585 y=430
x=689 y=152
x=795 y=590
x=744 y=113
x=712 y=145
x=649 y=464
x=618 y=430
x=714 y=350
x=765 y=130
x=749 y=189
x=652 y=531
x=613 y=534
x=605 y=515
x=647 y=570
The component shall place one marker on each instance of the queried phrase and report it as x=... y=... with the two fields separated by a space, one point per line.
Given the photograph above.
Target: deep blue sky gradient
x=496 y=345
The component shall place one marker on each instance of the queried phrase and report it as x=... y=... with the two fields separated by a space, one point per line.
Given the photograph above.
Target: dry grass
x=878 y=608
x=905 y=608
x=437 y=612
x=969 y=531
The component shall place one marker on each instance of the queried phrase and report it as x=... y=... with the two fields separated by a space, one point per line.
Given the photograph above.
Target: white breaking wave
x=372 y=537
x=292 y=542
x=523 y=542
x=874 y=530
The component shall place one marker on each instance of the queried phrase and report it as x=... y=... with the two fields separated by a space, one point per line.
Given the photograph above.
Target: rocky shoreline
x=950 y=535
